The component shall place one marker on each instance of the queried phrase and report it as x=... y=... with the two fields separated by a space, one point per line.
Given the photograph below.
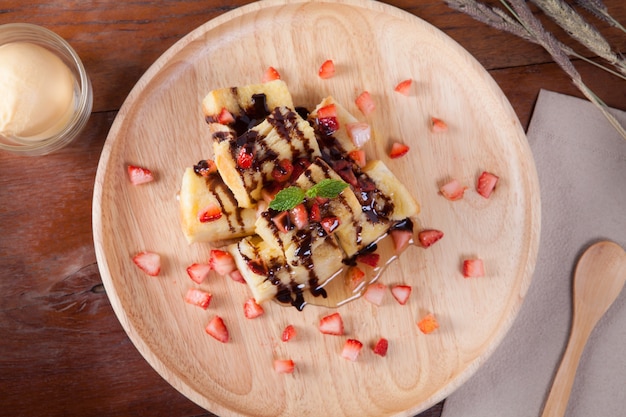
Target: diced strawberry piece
x=251 y=309
x=198 y=272
x=354 y=277
x=217 y=329
x=284 y=366
x=222 y=262
x=139 y=175
x=205 y=168
x=299 y=166
x=328 y=125
x=299 y=216
x=398 y=149
x=428 y=324
x=331 y=324
x=198 y=298
x=225 y=117
x=401 y=239
x=380 y=348
x=375 y=293
x=428 y=237
x=148 y=262
x=245 y=157
x=315 y=214
x=370 y=259
x=327 y=70
x=401 y=293
x=453 y=190
x=358 y=156
x=351 y=350
x=288 y=333
x=359 y=132
x=486 y=184
x=210 y=213
x=237 y=276
x=473 y=268
x=437 y=125
x=282 y=171
x=282 y=222
x=269 y=192
x=330 y=224
x=327 y=111
x=270 y=74
x=404 y=87
x=365 y=103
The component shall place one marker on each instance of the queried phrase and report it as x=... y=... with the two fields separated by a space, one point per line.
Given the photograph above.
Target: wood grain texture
x=374 y=47
x=57 y=360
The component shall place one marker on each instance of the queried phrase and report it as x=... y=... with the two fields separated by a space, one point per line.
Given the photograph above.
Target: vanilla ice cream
x=37 y=88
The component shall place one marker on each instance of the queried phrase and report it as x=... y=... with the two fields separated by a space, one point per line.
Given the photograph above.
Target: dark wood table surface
x=62 y=350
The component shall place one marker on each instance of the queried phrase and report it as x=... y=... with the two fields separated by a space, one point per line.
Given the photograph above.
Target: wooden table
x=62 y=350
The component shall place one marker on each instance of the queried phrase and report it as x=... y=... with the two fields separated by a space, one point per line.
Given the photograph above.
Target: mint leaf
x=287 y=198
x=327 y=188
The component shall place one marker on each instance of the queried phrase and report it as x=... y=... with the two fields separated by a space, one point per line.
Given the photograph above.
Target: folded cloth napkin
x=581 y=164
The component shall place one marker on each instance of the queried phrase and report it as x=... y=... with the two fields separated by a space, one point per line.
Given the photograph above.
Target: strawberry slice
x=217 y=329
x=365 y=103
x=330 y=224
x=283 y=170
x=380 y=348
x=437 y=125
x=401 y=293
x=245 y=157
x=139 y=175
x=315 y=213
x=205 y=168
x=222 y=262
x=148 y=262
x=251 y=309
x=198 y=298
x=486 y=184
x=225 y=117
x=453 y=190
x=198 y=272
x=354 y=277
x=299 y=216
x=375 y=293
x=327 y=70
x=398 y=149
x=210 y=213
x=428 y=237
x=359 y=132
x=282 y=221
x=370 y=259
x=473 y=268
x=327 y=119
x=288 y=333
x=331 y=324
x=404 y=87
x=237 y=276
x=428 y=324
x=270 y=74
x=359 y=157
x=401 y=239
x=284 y=366
x=351 y=350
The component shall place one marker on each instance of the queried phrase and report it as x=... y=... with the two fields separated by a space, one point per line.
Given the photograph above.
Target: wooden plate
x=374 y=46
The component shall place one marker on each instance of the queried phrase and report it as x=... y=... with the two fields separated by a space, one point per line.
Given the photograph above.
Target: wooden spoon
x=598 y=280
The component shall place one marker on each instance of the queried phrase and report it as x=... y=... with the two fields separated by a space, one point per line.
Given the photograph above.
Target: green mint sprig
x=289 y=197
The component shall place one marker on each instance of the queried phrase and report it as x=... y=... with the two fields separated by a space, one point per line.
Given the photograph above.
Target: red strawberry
x=225 y=117
x=453 y=190
x=288 y=334
x=351 y=349
x=428 y=237
x=370 y=259
x=404 y=87
x=331 y=324
x=327 y=70
x=330 y=110
x=330 y=224
x=198 y=297
x=365 y=103
x=380 y=348
x=237 y=276
x=299 y=216
x=486 y=184
x=198 y=272
x=284 y=366
x=270 y=75
x=473 y=268
x=282 y=170
x=358 y=156
x=375 y=293
x=315 y=214
x=222 y=262
x=282 y=222
x=205 y=168
x=217 y=329
x=359 y=132
x=438 y=125
x=327 y=119
x=354 y=277
x=148 y=262
x=401 y=293
x=401 y=239
x=251 y=309
x=398 y=149
x=139 y=175
x=245 y=157
x=210 y=213
x=428 y=324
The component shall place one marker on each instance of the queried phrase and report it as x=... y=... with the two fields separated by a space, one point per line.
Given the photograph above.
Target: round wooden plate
x=374 y=46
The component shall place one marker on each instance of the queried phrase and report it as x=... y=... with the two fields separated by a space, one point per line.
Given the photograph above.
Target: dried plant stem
x=598 y=8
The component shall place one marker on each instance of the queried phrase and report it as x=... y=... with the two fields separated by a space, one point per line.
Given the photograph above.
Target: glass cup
x=65 y=128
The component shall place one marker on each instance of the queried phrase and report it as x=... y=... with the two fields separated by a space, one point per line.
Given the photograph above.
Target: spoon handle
x=556 y=404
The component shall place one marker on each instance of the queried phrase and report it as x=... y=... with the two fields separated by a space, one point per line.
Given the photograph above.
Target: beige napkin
x=581 y=163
